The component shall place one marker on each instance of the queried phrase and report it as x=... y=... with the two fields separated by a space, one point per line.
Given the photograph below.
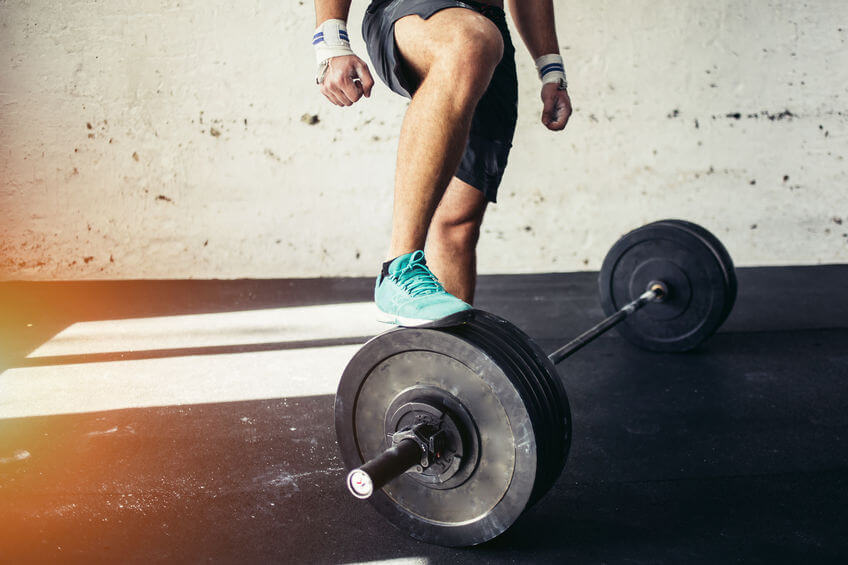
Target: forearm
x=331 y=10
x=534 y=20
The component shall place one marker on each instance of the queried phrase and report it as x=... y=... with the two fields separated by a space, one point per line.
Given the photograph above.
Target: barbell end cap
x=360 y=484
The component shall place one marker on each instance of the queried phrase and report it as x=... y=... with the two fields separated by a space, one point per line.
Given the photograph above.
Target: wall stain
x=779 y=116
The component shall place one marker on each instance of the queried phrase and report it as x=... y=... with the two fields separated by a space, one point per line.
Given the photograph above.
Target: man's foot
x=408 y=294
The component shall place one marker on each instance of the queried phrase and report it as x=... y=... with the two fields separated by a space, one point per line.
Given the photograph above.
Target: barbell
x=452 y=433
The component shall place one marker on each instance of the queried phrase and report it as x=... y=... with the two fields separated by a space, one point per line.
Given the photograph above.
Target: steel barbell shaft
x=589 y=335
x=392 y=463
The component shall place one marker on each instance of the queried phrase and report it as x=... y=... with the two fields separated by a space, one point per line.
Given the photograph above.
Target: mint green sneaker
x=408 y=294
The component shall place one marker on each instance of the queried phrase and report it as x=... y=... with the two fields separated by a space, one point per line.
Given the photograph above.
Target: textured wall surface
x=165 y=139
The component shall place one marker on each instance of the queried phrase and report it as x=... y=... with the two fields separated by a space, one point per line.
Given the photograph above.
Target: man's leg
x=452 y=55
x=452 y=240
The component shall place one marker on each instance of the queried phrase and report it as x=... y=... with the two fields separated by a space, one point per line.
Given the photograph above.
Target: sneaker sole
x=456 y=319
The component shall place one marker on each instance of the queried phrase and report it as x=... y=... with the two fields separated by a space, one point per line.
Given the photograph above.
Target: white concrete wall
x=157 y=139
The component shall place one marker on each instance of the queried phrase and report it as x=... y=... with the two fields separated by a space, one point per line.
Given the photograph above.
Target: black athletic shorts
x=493 y=124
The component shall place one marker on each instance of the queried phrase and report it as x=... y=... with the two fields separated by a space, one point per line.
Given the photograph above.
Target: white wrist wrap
x=551 y=69
x=331 y=40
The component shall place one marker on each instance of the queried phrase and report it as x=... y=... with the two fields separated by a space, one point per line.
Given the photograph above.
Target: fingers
x=335 y=95
x=365 y=77
x=548 y=110
x=562 y=111
x=338 y=89
x=351 y=89
x=347 y=79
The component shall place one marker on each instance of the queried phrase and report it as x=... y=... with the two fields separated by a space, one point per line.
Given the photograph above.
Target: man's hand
x=347 y=79
x=557 y=106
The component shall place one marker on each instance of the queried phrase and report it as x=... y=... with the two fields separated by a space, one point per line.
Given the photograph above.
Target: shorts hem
x=489 y=193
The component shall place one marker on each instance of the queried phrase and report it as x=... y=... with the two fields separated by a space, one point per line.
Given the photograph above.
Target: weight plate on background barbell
x=701 y=287
x=721 y=253
x=498 y=488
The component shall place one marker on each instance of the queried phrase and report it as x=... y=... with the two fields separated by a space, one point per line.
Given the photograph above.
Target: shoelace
x=416 y=279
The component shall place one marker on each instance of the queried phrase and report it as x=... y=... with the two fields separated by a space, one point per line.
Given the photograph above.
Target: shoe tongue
x=404 y=261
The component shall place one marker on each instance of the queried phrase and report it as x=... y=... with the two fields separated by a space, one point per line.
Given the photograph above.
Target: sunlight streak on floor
x=326 y=321
x=288 y=363
x=91 y=387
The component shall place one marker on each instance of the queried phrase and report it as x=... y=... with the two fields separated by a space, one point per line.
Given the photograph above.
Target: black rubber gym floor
x=736 y=452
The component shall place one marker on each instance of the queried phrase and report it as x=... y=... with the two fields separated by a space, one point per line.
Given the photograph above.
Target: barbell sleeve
x=392 y=463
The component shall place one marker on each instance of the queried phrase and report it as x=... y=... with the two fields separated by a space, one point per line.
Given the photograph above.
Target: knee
x=474 y=50
x=482 y=45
